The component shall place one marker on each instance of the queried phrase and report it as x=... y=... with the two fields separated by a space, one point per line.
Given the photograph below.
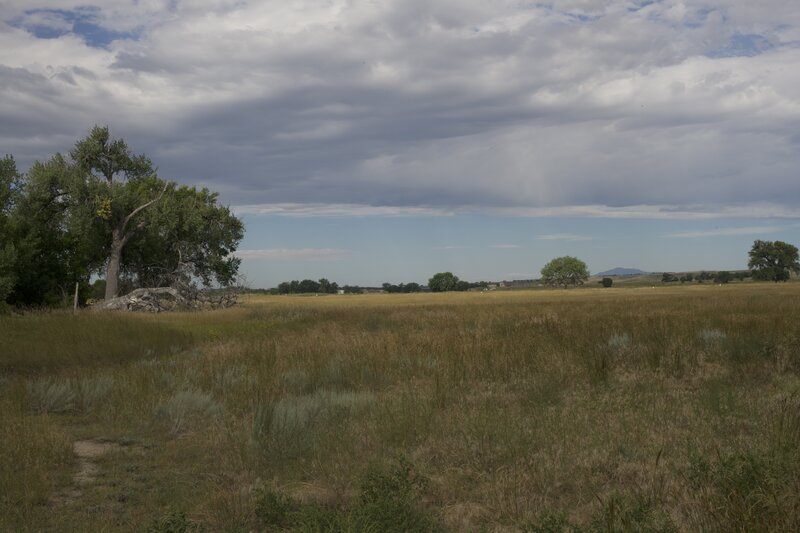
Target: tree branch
x=140 y=208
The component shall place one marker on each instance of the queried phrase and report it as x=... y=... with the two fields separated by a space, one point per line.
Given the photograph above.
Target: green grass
x=667 y=409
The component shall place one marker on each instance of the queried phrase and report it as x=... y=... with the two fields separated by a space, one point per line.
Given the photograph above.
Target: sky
x=371 y=141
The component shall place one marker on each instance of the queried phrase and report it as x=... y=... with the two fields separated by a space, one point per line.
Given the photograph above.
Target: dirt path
x=87 y=452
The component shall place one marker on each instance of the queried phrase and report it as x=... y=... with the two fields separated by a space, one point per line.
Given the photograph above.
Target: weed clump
x=388 y=503
x=273 y=508
x=92 y=392
x=187 y=409
x=173 y=522
x=619 y=343
x=289 y=425
x=388 y=500
x=711 y=336
x=51 y=396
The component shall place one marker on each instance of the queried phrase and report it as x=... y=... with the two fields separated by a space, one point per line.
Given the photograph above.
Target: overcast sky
x=384 y=140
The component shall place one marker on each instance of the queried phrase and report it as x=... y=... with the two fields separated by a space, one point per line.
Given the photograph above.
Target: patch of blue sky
x=743 y=45
x=637 y=6
x=581 y=18
x=492 y=248
x=83 y=22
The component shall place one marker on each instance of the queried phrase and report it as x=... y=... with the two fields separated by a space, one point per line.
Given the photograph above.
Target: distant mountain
x=619 y=271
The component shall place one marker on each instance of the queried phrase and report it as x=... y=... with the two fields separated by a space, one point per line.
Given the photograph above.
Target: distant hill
x=619 y=271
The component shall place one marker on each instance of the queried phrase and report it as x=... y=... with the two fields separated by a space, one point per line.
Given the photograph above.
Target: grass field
x=667 y=409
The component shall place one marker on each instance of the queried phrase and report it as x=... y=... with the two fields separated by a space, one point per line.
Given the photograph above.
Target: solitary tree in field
x=565 y=271
x=607 y=282
x=773 y=260
x=443 y=282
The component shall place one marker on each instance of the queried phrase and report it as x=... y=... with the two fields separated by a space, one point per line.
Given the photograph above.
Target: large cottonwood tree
x=103 y=210
x=124 y=184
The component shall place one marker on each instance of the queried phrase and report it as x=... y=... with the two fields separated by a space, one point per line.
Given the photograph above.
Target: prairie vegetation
x=668 y=409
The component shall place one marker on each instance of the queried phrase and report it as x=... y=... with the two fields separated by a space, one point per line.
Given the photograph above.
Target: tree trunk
x=118 y=239
x=112 y=271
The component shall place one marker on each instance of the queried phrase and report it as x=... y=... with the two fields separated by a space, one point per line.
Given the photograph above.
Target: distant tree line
x=772 y=261
x=723 y=276
x=402 y=288
x=308 y=286
x=440 y=282
x=447 y=281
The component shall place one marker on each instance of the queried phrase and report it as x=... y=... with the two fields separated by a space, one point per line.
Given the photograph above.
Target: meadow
x=626 y=409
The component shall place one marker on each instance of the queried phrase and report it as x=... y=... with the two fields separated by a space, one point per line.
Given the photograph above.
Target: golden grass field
x=646 y=409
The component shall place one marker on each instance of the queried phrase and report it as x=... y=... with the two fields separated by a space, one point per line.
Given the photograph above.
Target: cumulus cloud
x=727 y=232
x=601 y=107
x=308 y=254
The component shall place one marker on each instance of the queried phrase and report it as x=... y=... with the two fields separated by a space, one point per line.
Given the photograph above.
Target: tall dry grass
x=634 y=409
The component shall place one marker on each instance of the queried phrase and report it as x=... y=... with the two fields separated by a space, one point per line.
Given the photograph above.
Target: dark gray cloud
x=445 y=104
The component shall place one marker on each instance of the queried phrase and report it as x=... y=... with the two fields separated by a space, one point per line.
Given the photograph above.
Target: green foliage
x=443 y=282
x=173 y=522
x=607 y=282
x=402 y=288
x=53 y=247
x=388 y=500
x=104 y=208
x=747 y=491
x=668 y=277
x=773 y=260
x=308 y=286
x=273 y=508
x=723 y=276
x=9 y=185
x=388 y=503
x=186 y=229
x=565 y=271
x=99 y=154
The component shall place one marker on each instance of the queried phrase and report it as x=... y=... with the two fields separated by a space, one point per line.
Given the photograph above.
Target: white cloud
x=643 y=212
x=445 y=106
x=338 y=210
x=562 y=237
x=505 y=246
x=305 y=254
x=726 y=232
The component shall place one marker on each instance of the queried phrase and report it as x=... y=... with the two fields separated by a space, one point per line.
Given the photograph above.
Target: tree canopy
x=103 y=211
x=773 y=260
x=565 y=271
x=9 y=183
x=443 y=282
